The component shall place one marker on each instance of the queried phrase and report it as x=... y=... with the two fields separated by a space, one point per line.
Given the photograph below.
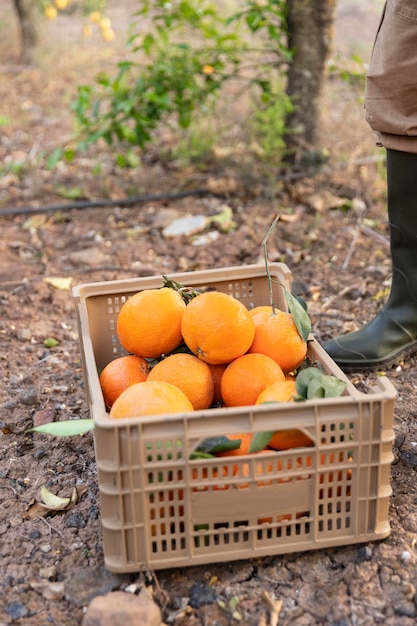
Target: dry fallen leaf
x=291 y=218
x=52 y=503
x=63 y=283
x=49 y=590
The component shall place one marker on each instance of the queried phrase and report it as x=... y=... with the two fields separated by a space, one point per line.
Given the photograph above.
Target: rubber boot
x=392 y=335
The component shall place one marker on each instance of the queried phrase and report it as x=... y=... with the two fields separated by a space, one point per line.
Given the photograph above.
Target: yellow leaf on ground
x=63 y=283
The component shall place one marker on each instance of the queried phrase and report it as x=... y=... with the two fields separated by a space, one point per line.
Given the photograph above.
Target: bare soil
x=333 y=236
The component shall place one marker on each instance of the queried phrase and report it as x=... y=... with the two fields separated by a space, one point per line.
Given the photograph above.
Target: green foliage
x=268 y=121
x=354 y=75
x=314 y=383
x=15 y=167
x=209 y=446
x=66 y=428
x=178 y=68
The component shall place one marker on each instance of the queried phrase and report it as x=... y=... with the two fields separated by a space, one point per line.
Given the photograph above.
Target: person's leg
x=391 y=111
x=392 y=334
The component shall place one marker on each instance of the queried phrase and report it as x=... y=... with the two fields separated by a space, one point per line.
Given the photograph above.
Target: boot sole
x=393 y=359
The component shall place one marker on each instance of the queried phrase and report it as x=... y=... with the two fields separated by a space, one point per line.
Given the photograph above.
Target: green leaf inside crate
x=299 y=313
x=259 y=441
x=218 y=444
x=198 y=454
x=313 y=383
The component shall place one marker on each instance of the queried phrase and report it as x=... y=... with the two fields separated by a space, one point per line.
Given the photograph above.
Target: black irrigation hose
x=89 y=204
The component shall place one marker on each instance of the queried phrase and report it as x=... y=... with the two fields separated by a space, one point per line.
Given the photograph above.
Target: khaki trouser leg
x=391 y=86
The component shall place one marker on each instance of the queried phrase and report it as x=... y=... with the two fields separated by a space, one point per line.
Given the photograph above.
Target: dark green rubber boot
x=392 y=334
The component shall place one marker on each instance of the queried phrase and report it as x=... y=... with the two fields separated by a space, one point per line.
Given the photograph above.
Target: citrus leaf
x=218 y=444
x=259 y=441
x=199 y=454
x=224 y=219
x=316 y=389
x=72 y=193
x=53 y=502
x=54 y=158
x=300 y=315
x=304 y=377
x=313 y=383
x=67 y=428
x=331 y=386
x=51 y=342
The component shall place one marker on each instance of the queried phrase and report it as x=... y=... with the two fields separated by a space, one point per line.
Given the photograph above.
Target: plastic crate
x=161 y=509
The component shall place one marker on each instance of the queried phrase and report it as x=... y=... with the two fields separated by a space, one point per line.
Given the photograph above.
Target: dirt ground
x=333 y=236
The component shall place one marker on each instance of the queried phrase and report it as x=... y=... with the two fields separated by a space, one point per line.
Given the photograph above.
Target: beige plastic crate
x=161 y=509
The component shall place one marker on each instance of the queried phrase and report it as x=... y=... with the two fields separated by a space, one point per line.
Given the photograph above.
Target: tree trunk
x=309 y=36
x=26 y=12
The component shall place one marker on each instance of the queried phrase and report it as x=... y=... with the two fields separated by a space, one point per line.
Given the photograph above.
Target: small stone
x=86 y=584
x=16 y=610
x=122 y=609
x=75 y=520
x=29 y=396
x=364 y=554
x=94 y=512
x=409 y=458
x=46 y=548
x=91 y=257
x=24 y=334
x=406 y=556
x=163 y=217
x=35 y=534
x=9 y=404
x=206 y=239
x=45 y=416
x=50 y=590
x=407 y=609
x=188 y=226
x=48 y=573
x=200 y=594
x=39 y=453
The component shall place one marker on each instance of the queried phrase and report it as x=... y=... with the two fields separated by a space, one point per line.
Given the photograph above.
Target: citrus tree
x=28 y=13
x=177 y=67
x=176 y=70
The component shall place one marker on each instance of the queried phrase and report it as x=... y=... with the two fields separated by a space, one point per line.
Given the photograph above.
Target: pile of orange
x=212 y=349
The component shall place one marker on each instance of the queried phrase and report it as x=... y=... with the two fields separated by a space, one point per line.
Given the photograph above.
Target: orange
x=282 y=391
x=245 y=378
x=289 y=438
x=119 y=374
x=276 y=335
x=149 y=322
x=150 y=398
x=246 y=440
x=217 y=327
x=189 y=374
x=217 y=370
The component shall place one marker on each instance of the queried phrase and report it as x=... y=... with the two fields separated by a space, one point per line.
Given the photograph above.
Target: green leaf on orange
x=259 y=441
x=218 y=444
x=314 y=383
x=300 y=315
